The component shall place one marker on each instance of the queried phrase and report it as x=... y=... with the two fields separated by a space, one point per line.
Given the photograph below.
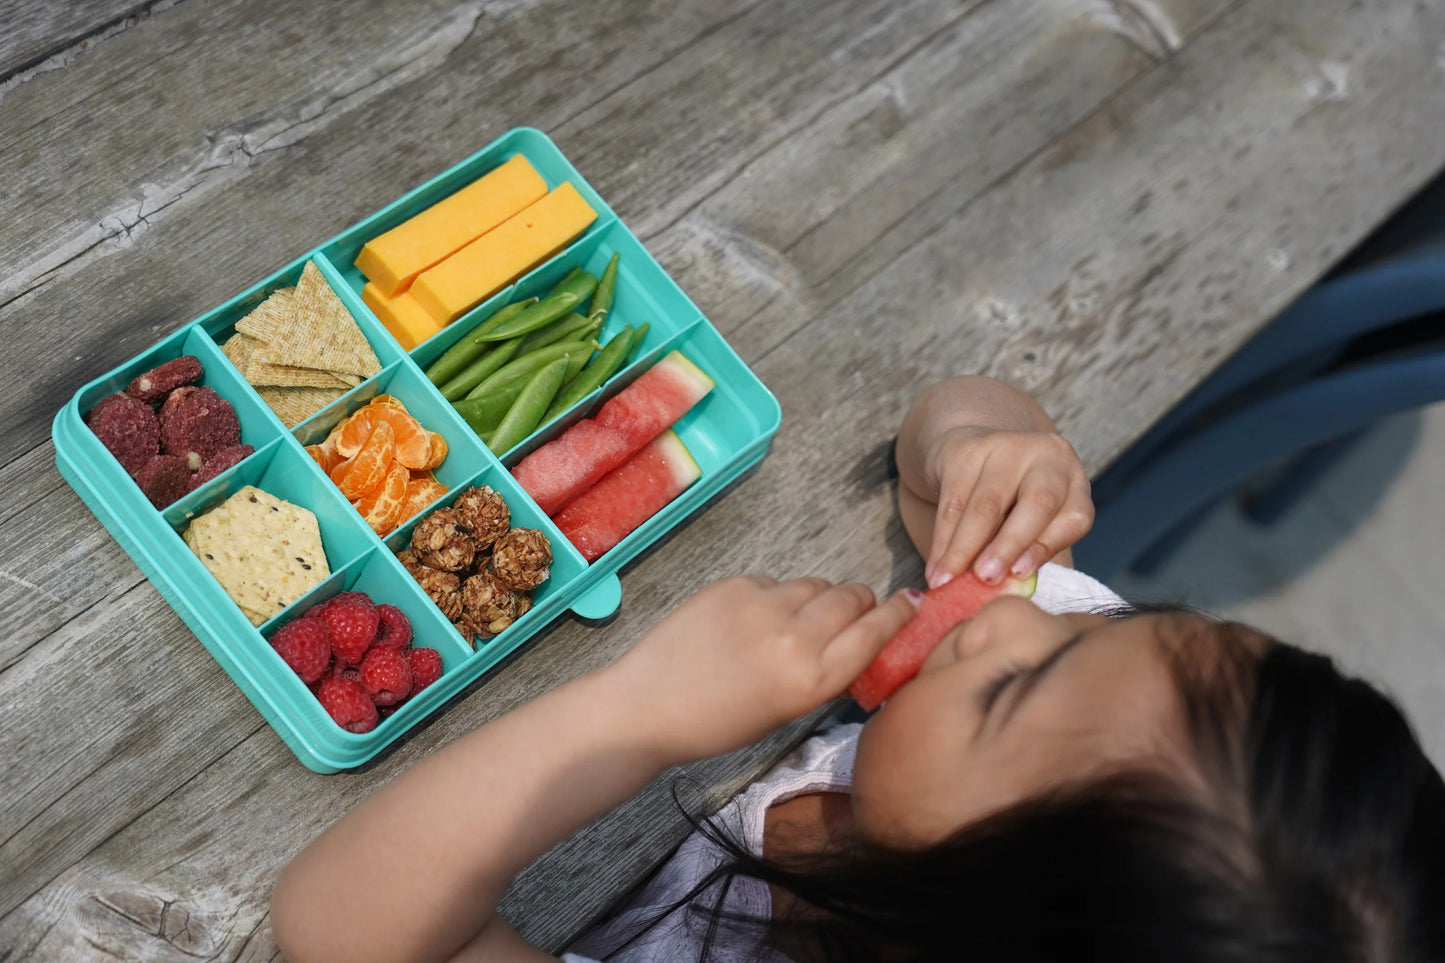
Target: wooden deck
x=1095 y=199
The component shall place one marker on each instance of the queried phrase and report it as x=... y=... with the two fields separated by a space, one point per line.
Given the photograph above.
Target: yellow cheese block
x=408 y=322
x=393 y=259
x=495 y=259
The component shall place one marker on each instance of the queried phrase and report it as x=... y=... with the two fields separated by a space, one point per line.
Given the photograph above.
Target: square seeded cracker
x=321 y=334
x=265 y=552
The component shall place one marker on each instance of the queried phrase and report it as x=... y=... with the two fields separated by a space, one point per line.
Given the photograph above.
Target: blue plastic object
x=726 y=433
x=1205 y=466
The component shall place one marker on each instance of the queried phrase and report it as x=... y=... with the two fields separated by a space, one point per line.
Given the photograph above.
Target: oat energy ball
x=443 y=588
x=521 y=558
x=490 y=604
x=443 y=540
x=196 y=423
x=486 y=513
x=160 y=381
x=127 y=428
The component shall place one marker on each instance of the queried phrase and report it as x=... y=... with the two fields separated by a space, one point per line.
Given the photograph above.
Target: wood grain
x=1095 y=200
x=59 y=32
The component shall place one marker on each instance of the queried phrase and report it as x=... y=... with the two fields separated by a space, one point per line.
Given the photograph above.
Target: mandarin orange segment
x=355 y=430
x=382 y=507
x=438 y=453
x=420 y=492
x=326 y=459
x=339 y=471
x=371 y=463
x=413 y=447
x=391 y=401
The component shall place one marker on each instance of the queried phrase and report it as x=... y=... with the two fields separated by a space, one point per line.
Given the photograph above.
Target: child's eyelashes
x=999 y=683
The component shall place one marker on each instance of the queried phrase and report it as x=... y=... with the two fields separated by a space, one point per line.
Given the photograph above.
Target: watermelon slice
x=629 y=495
x=943 y=608
x=568 y=465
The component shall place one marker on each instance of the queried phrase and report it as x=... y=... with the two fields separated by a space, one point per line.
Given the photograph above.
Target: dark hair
x=1323 y=841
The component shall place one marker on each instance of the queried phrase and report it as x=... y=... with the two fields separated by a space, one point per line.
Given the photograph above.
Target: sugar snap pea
x=485 y=412
x=636 y=342
x=476 y=372
x=470 y=347
x=528 y=366
x=564 y=298
x=606 y=288
x=569 y=327
x=526 y=412
x=602 y=366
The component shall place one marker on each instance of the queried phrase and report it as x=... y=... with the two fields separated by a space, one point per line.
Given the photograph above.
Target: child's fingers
x=1071 y=523
x=978 y=520
x=1041 y=495
x=828 y=612
x=850 y=650
x=953 y=500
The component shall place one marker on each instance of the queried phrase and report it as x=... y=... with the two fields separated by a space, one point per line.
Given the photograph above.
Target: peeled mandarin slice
x=382 y=508
x=371 y=463
x=339 y=471
x=420 y=492
x=438 y=452
x=354 y=431
x=413 y=446
x=327 y=459
x=391 y=401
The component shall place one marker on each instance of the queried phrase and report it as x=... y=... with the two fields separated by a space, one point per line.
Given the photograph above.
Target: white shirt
x=824 y=763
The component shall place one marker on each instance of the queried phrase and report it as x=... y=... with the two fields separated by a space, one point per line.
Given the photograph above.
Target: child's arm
x=985 y=481
x=415 y=872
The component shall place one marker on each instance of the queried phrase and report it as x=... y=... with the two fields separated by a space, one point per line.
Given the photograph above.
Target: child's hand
x=746 y=655
x=1008 y=501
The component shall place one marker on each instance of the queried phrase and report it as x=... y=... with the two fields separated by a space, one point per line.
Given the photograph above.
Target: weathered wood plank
x=951 y=115
x=37 y=31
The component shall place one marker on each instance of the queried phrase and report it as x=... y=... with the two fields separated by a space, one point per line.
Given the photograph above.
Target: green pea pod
x=486 y=412
x=602 y=366
x=569 y=327
x=566 y=297
x=476 y=372
x=470 y=347
x=606 y=288
x=576 y=270
x=526 y=412
x=636 y=343
x=526 y=367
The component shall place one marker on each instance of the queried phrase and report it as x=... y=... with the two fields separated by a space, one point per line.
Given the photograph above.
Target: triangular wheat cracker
x=295 y=405
x=271 y=317
x=240 y=348
x=322 y=333
x=260 y=373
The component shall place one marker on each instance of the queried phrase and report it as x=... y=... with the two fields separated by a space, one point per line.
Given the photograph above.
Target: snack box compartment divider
x=727 y=433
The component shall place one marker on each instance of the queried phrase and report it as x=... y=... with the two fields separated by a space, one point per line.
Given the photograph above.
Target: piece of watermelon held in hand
x=943 y=608
x=626 y=497
x=570 y=464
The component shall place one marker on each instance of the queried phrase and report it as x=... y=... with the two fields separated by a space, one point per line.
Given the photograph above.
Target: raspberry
x=348 y=704
x=339 y=671
x=304 y=645
x=386 y=676
x=395 y=630
x=353 y=626
x=357 y=598
x=426 y=668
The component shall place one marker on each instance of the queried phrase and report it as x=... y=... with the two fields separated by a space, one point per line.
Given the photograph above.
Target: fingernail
x=990 y=570
x=914 y=597
x=1023 y=566
x=940 y=578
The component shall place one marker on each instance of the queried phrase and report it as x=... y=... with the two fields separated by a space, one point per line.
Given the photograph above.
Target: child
x=1059 y=782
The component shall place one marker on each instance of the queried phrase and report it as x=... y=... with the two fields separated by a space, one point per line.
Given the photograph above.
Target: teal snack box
x=726 y=433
